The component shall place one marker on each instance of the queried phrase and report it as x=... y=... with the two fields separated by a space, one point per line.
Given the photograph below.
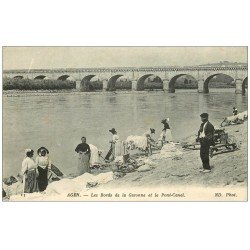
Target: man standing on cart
x=206 y=139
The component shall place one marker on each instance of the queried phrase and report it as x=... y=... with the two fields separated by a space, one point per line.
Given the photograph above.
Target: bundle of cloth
x=136 y=142
x=169 y=150
x=94 y=156
x=235 y=119
x=14 y=189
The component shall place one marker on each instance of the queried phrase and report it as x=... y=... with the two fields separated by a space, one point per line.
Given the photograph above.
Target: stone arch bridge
x=109 y=76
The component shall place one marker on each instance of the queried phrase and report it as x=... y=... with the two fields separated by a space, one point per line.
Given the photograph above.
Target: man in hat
x=206 y=139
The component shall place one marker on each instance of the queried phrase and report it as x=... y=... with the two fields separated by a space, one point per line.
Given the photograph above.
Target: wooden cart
x=223 y=143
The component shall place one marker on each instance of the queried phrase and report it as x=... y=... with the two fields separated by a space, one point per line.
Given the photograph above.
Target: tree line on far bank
x=33 y=84
x=121 y=84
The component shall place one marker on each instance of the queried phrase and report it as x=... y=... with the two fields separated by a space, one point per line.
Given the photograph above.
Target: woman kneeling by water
x=43 y=164
x=29 y=171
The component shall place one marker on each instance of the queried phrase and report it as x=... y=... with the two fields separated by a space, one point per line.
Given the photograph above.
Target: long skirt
x=42 y=178
x=31 y=184
x=83 y=164
x=166 y=136
x=119 y=148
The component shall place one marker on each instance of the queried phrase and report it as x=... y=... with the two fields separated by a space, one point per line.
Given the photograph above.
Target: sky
x=84 y=57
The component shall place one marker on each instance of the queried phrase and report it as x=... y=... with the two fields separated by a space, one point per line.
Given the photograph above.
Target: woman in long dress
x=117 y=148
x=84 y=155
x=43 y=164
x=166 y=135
x=29 y=171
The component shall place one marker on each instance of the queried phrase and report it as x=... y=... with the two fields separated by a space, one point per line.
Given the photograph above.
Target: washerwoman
x=84 y=155
x=29 y=171
x=43 y=164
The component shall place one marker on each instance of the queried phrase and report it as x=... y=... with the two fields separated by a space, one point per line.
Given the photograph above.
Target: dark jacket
x=209 y=133
x=166 y=126
x=83 y=147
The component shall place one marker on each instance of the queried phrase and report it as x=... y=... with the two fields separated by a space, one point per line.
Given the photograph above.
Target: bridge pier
x=200 y=86
x=78 y=85
x=134 y=85
x=238 y=86
x=166 y=85
x=105 y=85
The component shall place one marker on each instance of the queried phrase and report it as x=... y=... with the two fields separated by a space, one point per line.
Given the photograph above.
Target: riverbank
x=228 y=169
x=179 y=172
x=20 y=93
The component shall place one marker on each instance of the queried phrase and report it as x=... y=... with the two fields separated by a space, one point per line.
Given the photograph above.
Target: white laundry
x=65 y=186
x=231 y=119
x=243 y=116
x=14 y=189
x=94 y=157
x=139 y=142
x=169 y=150
x=77 y=184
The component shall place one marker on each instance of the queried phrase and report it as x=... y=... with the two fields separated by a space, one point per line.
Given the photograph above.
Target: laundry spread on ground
x=168 y=150
x=235 y=119
x=63 y=187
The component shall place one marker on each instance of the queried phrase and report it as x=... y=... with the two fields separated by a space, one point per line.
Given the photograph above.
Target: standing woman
x=116 y=148
x=84 y=155
x=166 y=135
x=43 y=164
x=29 y=171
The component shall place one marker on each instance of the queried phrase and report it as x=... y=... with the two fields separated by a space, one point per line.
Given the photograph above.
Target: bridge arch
x=18 y=77
x=86 y=84
x=207 y=80
x=142 y=79
x=172 y=81
x=40 y=77
x=111 y=82
x=244 y=85
x=63 y=77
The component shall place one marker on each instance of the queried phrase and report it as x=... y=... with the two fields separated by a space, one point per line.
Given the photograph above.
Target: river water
x=58 y=121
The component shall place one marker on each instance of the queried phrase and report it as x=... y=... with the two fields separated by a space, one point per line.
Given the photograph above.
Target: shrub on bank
x=29 y=84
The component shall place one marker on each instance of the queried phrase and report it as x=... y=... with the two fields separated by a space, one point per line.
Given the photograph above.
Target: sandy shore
x=176 y=175
x=227 y=169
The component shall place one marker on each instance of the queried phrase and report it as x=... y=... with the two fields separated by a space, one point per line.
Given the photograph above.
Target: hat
x=204 y=115
x=27 y=150
x=165 y=121
x=112 y=130
x=41 y=149
x=152 y=131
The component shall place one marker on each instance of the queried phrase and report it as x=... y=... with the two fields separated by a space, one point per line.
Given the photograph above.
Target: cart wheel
x=236 y=145
x=231 y=139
